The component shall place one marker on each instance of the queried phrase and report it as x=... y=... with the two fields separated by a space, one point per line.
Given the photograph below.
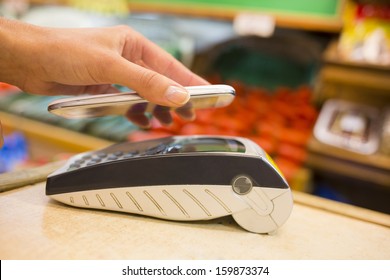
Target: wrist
x=5 y=48
x=18 y=50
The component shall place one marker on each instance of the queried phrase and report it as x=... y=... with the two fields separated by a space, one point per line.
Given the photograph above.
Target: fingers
x=99 y=89
x=164 y=63
x=139 y=119
x=186 y=112
x=136 y=114
x=151 y=85
x=152 y=72
x=163 y=114
x=144 y=52
x=61 y=89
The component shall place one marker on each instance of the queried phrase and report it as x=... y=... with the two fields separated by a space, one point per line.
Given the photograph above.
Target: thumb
x=149 y=84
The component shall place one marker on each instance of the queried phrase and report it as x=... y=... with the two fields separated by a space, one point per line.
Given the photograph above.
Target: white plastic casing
x=261 y=210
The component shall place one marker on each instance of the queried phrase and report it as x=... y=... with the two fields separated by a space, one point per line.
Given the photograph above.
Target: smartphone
x=201 y=97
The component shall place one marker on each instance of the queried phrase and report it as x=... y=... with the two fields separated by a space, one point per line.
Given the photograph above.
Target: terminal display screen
x=206 y=145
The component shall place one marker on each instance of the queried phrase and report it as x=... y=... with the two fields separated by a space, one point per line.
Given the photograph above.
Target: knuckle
x=149 y=78
x=123 y=28
x=100 y=73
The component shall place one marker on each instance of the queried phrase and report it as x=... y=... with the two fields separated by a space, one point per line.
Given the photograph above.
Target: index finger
x=164 y=63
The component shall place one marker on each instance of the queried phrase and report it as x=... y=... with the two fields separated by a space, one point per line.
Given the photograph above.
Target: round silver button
x=242 y=185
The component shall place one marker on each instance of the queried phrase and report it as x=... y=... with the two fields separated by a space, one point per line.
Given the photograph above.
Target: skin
x=68 y=61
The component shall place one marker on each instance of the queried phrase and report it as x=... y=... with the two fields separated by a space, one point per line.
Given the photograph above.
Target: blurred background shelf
x=321 y=15
x=367 y=83
x=46 y=140
x=332 y=56
x=373 y=168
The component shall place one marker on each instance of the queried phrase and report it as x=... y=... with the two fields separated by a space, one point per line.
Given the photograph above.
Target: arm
x=89 y=60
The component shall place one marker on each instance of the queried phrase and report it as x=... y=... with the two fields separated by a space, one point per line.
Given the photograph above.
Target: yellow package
x=366 y=33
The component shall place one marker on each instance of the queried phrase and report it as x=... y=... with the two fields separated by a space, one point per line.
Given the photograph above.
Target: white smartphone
x=210 y=96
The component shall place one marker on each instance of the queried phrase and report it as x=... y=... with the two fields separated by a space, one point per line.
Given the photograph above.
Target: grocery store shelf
x=374 y=168
x=67 y=140
x=331 y=55
x=296 y=21
x=339 y=76
x=306 y=21
x=353 y=76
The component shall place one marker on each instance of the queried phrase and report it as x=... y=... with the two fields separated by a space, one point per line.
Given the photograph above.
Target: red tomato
x=192 y=129
x=204 y=116
x=266 y=143
x=287 y=167
x=295 y=136
x=141 y=135
x=294 y=153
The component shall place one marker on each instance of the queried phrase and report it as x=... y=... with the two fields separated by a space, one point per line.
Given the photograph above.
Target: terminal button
x=242 y=185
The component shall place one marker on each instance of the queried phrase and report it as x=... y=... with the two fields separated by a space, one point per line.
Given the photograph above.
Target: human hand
x=63 y=61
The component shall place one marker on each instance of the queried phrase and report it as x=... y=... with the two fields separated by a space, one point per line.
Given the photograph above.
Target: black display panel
x=206 y=145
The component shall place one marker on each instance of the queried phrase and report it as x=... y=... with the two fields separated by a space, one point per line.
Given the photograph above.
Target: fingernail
x=177 y=95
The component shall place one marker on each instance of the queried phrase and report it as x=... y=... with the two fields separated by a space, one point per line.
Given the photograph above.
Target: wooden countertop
x=33 y=226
